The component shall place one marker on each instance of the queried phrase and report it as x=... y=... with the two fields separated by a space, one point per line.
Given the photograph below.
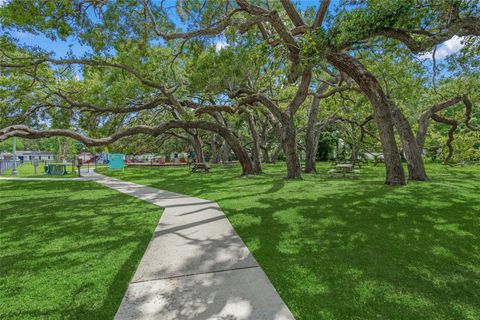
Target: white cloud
x=445 y=49
x=2 y=2
x=219 y=45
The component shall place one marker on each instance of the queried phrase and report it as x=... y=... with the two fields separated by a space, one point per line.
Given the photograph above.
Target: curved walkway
x=195 y=266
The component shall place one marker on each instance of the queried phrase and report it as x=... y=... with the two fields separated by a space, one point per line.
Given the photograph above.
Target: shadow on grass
x=344 y=259
x=353 y=248
x=68 y=249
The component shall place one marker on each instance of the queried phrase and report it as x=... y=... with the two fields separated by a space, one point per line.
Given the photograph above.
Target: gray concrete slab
x=240 y=294
x=202 y=241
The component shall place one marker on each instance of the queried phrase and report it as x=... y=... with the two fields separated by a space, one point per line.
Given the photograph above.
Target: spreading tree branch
x=292 y=13
x=433 y=114
x=320 y=16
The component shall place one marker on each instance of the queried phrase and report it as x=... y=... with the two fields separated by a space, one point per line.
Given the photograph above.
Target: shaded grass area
x=68 y=248
x=352 y=248
x=27 y=170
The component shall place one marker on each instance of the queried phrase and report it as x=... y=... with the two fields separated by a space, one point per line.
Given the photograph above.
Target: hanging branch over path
x=29 y=133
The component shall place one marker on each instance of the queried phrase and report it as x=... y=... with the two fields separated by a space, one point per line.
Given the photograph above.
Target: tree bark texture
x=382 y=114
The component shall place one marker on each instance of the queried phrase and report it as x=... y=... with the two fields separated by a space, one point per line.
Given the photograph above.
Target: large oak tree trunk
x=382 y=114
x=311 y=139
x=265 y=155
x=227 y=135
x=276 y=153
x=242 y=155
x=411 y=149
x=313 y=132
x=422 y=130
x=262 y=135
x=224 y=152
x=354 y=146
x=287 y=134
x=423 y=122
x=294 y=169
x=255 y=144
x=197 y=146
x=214 y=156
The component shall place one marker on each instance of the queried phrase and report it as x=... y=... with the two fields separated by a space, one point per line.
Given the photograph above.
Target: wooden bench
x=200 y=166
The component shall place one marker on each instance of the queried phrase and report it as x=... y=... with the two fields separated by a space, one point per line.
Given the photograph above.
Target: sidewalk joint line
x=195 y=274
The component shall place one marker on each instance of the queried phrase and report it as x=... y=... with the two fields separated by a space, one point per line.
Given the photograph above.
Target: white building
x=29 y=155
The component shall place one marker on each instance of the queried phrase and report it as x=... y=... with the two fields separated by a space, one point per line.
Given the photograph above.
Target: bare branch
x=426 y=115
x=213 y=30
x=330 y=93
x=275 y=20
x=292 y=13
x=461 y=27
x=432 y=113
x=99 y=63
x=322 y=10
x=453 y=126
x=173 y=134
x=84 y=106
x=468 y=113
x=264 y=100
x=29 y=133
x=302 y=91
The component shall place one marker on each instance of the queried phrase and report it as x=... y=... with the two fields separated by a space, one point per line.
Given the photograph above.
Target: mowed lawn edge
x=27 y=170
x=68 y=249
x=351 y=248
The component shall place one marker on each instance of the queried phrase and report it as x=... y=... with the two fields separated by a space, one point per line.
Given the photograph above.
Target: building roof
x=35 y=153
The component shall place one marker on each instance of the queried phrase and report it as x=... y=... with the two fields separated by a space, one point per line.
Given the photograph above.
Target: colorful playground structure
x=173 y=159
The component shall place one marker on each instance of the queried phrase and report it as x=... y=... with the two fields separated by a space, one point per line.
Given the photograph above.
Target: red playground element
x=89 y=158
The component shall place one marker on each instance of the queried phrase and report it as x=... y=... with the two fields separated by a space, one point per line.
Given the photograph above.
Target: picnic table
x=343 y=168
x=200 y=166
x=359 y=163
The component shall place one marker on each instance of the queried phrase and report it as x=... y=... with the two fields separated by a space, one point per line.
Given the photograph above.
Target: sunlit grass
x=352 y=248
x=68 y=248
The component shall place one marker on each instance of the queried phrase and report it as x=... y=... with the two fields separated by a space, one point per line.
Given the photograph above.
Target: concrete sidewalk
x=195 y=266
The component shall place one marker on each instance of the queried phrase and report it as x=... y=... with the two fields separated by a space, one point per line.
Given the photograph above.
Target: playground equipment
x=116 y=161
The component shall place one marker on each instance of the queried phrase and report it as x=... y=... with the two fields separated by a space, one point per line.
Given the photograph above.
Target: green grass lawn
x=68 y=248
x=352 y=248
x=27 y=170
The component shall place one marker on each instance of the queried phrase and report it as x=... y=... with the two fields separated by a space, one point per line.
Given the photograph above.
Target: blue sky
x=60 y=48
